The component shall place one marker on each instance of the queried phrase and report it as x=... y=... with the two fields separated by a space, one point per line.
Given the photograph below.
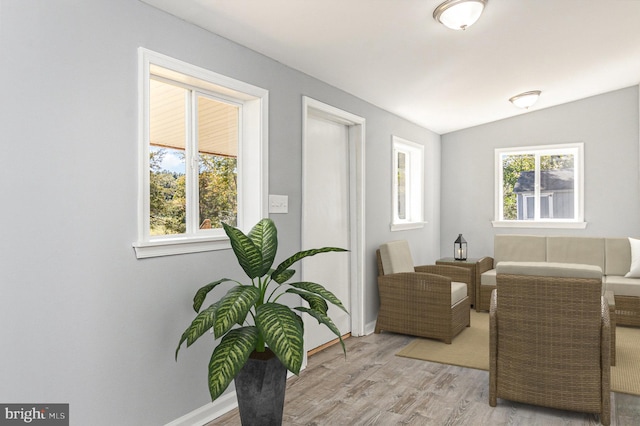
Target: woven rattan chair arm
x=417 y=288
x=413 y=279
x=456 y=273
x=484 y=264
x=606 y=363
x=493 y=348
x=493 y=303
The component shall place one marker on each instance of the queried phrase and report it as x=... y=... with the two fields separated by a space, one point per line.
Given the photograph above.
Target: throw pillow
x=634 y=272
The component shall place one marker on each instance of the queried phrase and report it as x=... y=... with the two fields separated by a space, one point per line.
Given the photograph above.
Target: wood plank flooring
x=375 y=387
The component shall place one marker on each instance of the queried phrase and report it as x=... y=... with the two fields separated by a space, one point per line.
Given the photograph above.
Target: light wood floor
x=375 y=387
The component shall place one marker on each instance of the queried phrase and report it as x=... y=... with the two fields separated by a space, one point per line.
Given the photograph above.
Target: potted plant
x=265 y=326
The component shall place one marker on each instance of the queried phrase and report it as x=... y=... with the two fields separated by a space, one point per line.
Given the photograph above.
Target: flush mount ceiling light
x=526 y=99
x=459 y=14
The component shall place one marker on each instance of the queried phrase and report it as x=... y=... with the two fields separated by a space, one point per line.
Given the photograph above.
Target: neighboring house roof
x=550 y=180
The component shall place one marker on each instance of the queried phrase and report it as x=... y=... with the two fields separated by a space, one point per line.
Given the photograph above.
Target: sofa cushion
x=622 y=286
x=550 y=269
x=634 y=269
x=488 y=277
x=458 y=292
x=396 y=257
x=583 y=250
x=532 y=248
x=617 y=253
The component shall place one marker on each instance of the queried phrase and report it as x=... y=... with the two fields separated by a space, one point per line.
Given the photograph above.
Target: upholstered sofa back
x=612 y=255
x=519 y=248
x=582 y=250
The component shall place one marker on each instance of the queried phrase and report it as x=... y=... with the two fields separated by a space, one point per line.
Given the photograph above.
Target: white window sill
x=173 y=246
x=407 y=226
x=538 y=224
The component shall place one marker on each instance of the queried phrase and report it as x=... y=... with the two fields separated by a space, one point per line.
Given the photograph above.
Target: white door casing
x=333 y=213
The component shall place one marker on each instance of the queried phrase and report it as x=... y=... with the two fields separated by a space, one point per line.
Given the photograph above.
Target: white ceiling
x=393 y=54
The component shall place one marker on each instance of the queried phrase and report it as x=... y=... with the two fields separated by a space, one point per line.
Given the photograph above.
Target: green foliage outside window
x=218 y=188
x=217 y=193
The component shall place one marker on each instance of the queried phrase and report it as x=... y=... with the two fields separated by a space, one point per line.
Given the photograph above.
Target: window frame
x=577 y=222
x=414 y=182
x=252 y=154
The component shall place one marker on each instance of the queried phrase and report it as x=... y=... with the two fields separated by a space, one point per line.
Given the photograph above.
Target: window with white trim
x=203 y=156
x=540 y=186
x=408 y=183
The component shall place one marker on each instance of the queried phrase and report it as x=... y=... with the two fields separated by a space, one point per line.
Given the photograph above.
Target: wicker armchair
x=427 y=301
x=550 y=338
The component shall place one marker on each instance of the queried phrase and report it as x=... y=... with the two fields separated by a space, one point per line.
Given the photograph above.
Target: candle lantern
x=460 y=248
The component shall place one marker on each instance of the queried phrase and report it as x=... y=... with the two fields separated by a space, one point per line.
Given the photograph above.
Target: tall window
x=202 y=154
x=540 y=186
x=408 y=184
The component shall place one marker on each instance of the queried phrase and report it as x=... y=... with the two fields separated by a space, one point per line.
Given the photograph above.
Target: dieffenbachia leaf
x=283 y=333
x=320 y=291
x=234 y=307
x=229 y=357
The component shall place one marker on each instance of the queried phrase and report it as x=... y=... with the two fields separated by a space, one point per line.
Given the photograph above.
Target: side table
x=471 y=264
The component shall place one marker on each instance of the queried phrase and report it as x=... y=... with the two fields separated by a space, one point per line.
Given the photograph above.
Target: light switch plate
x=278 y=203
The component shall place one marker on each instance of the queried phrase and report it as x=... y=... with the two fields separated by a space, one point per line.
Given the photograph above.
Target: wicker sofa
x=612 y=255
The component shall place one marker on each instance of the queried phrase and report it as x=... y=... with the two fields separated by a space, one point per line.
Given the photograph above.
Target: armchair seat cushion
x=458 y=292
x=488 y=277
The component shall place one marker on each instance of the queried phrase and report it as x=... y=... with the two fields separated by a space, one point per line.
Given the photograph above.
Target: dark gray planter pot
x=260 y=387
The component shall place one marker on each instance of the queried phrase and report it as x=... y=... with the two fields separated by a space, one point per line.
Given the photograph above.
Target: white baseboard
x=209 y=412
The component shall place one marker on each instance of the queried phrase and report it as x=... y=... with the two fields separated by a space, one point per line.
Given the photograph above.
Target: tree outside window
x=540 y=183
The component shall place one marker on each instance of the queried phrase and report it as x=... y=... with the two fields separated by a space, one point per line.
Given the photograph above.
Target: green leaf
x=315 y=302
x=229 y=357
x=283 y=276
x=234 y=307
x=200 y=324
x=301 y=255
x=320 y=291
x=182 y=339
x=265 y=236
x=324 y=319
x=248 y=254
x=282 y=331
x=201 y=294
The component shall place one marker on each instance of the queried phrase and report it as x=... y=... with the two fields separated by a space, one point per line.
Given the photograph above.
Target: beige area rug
x=471 y=349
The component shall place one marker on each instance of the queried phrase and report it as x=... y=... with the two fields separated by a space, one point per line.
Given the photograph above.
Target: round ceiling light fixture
x=459 y=14
x=526 y=99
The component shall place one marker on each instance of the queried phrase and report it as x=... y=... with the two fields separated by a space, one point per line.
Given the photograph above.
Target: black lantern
x=460 y=248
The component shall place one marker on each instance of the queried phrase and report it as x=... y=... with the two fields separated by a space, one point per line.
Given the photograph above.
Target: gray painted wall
x=81 y=320
x=607 y=125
